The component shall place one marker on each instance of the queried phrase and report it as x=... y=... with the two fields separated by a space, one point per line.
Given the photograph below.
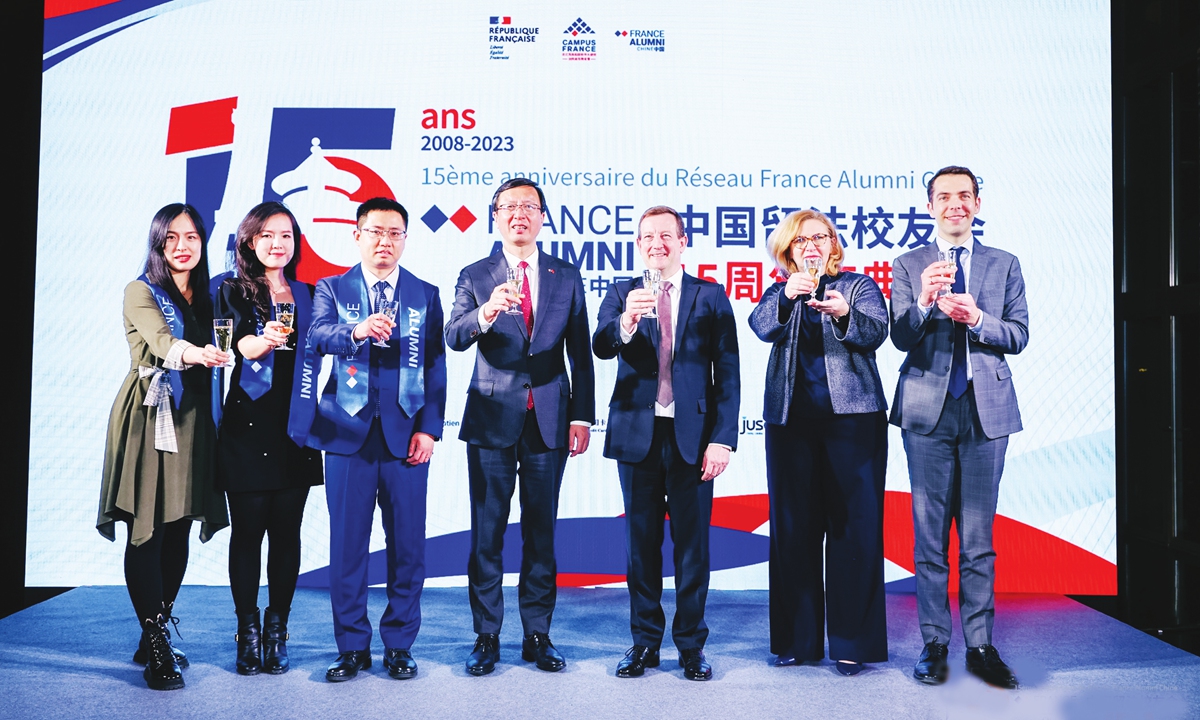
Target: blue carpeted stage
x=69 y=657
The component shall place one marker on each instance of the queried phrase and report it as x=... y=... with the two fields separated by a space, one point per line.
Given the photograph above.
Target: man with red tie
x=672 y=424
x=531 y=403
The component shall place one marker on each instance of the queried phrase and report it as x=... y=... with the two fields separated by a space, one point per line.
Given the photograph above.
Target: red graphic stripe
x=199 y=126
x=313 y=267
x=1028 y=560
x=586 y=579
x=58 y=8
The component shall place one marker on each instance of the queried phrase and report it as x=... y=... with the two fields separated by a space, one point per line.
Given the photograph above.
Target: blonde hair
x=780 y=242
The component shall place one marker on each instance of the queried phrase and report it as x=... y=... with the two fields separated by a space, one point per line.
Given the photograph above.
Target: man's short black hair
x=380 y=203
x=952 y=170
x=516 y=183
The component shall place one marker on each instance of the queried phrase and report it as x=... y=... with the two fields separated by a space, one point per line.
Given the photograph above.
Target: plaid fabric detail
x=159 y=395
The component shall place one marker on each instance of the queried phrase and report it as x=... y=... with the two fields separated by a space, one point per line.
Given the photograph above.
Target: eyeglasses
x=511 y=208
x=380 y=233
x=819 y=240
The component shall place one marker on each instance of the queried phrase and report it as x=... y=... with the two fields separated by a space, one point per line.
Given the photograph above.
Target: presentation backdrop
x=733 y=115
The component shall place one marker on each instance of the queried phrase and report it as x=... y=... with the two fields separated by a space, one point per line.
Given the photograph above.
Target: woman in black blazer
x=826 y=445
x=262 y=464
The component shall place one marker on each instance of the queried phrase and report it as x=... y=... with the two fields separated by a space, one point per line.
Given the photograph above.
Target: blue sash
x=353 y=373
x=257 y=375
x=174 y=321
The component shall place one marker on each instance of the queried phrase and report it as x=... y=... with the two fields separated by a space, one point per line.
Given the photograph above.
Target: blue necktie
x=958 y=366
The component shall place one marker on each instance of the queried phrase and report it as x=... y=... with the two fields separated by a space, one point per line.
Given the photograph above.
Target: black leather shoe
x=931 y=667
x=139 y=655
x=274 y=642
x=636 y=661
x=348 y=664
x=485 y=655
x=784 y=661
x=849 y=668
x=984 y=663
x=162 y=672
x=538 y=648
x=695 y=667
x=399 y=663
x=249 y=644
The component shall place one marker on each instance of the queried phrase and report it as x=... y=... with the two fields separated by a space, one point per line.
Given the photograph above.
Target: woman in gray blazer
x=826 y=443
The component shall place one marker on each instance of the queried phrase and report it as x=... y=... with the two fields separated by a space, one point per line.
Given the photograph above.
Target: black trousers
x=493 y=474
x=826 y=483
x=664 y=482
x=275 y=514
x=154 y=570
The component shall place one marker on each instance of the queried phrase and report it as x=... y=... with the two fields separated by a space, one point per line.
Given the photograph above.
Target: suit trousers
x=493 y=474
x=955 y=475
x=664 y=482
x=353 y=485
x=826 y=484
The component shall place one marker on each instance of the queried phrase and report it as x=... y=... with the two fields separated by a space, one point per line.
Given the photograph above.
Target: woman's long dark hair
x=159 y=273
x=251 y=277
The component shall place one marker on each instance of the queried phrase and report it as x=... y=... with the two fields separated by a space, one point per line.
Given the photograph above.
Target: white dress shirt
x=964 y=261
x=531 y=274
x=675 y=280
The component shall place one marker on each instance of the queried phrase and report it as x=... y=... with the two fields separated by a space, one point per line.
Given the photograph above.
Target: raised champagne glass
x=812 y=266
x=285 y=313
x=516 y=278
x=951 y=267
x=652 y=281
x=387 y=308
x=223 y=334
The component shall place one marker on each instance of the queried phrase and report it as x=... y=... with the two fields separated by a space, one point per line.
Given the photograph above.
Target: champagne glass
x=812 y=266
x=285 y=313
x=516 y=278
x=947 y=257
x=223 y=334
x=387 y=308
x=652 y=281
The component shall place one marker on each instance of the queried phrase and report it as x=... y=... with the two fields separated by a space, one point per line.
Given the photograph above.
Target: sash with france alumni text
x=353 y=371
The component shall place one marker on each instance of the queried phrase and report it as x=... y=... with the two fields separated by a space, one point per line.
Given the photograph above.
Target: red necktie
x=527 y=312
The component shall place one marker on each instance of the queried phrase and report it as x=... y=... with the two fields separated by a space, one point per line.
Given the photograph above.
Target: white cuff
x=174 y=358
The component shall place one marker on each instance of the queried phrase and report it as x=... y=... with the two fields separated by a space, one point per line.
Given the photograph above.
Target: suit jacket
x=509 y=362
x=335 y=430
x=999 y=291
x=706 y=381
x=854 y=384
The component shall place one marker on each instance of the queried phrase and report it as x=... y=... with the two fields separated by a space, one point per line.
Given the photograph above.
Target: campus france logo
x=504 y=35
x=578 y=47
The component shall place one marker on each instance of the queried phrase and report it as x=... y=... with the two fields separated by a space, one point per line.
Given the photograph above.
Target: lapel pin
x=551 y=271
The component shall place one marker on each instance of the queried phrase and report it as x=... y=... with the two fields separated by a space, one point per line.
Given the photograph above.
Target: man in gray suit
x=956 y=407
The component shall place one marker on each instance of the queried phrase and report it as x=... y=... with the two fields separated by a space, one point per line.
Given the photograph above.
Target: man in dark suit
x=956 y=407
x=525 y=413
x=672 y=424
x=377 y=420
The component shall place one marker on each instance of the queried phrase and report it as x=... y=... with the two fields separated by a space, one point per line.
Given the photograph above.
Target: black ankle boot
x=162 y=672
x=275 y=636
x=249 y=647
x=139 y=655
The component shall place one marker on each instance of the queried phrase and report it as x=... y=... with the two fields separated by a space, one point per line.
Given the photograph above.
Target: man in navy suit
x=525 y=413
x=956 y=407
x=672 y=424
x=377 y=420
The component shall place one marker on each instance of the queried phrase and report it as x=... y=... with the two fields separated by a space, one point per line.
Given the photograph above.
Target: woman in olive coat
x=158 y=460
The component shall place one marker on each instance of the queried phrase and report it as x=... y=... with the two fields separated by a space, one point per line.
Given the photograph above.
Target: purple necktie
x=666 y=346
